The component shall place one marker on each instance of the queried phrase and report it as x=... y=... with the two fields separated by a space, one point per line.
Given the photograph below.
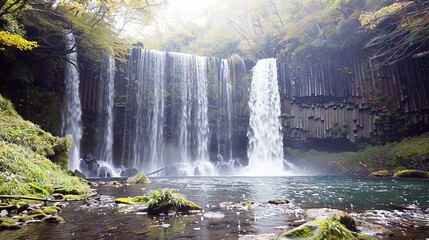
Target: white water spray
x=265 y=150
x=73 y=111
x=105 y=119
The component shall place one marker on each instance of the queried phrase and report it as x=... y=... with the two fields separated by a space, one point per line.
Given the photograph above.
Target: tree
x=401 y=30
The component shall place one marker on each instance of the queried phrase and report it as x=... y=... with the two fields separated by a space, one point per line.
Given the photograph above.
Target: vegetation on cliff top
x=27 y=156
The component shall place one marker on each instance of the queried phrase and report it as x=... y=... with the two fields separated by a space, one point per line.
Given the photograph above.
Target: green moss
x=51 y=210
x=127 y=200
x=24 y=218
x=39 y=189
x=303 y=231
x=8 y=220
x=399 y=168
x=333 y=230
x=36 y=212
x=72 y=197
x=25 y=153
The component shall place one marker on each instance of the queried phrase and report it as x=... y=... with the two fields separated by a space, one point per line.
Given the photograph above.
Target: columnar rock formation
x=345 y=96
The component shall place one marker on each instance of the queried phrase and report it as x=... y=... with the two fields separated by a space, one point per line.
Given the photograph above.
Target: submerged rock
x=53 y=219
x=114 y=184
x=411 y=174
x=138 y=178
x=277 y=201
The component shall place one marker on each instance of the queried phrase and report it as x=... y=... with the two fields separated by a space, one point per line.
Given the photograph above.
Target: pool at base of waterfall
x=238 y=206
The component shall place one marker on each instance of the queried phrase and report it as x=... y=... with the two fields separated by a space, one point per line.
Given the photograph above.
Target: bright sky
x=189 y=9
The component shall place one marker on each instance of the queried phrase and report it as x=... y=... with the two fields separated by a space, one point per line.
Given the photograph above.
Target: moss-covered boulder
x=411 y=174
x=138 y=178
x=27 y=158
x=51 y=210
x=166 y=199
x=9 y=226
x=321 y=230
x=381 y=173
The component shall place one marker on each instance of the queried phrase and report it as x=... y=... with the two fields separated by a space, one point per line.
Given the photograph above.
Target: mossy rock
x=53 y=219
x=36 y=212
x=133 y=200
x=72 y=197
x=166 y=199
x=411 y=174
x=9 y=226
x=138 y=178
x=303 y=231
x=23 y=218
x=52 y=210
x=381 y=173
x=67 y=191
x=58 y=196
x=321 y=230
x=8 y=220
x=277 y=201
x=248 y=204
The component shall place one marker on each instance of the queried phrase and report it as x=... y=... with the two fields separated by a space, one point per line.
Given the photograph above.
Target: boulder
x=411 y=174
x=129 y=172
x=321 y=229
x=371 y=229
x=138 y=178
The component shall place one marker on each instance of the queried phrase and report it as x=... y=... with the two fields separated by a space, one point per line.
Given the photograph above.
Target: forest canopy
x=255 y=29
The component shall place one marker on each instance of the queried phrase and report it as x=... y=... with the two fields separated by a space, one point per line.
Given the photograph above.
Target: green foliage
x=166 y=196
x=303 y=231
x=332 y=229
x=372 y=158
x=389 y=119
x=338 y=129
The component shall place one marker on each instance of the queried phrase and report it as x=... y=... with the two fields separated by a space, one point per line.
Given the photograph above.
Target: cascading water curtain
x=105 y=114
x=73 y=111
x=265 y=150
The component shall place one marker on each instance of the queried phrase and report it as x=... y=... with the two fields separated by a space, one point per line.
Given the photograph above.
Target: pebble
x=3 y=213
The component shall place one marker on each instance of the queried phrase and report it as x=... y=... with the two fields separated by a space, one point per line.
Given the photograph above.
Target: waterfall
x=162 y=137
x=265 y=150
x=225 y=100
x=105 y=114
x=72 y=114
x=148 y=139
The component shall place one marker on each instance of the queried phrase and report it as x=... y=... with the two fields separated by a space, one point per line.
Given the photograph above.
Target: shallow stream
x=225 y=217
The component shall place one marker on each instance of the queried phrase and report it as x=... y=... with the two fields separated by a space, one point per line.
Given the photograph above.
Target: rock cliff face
x=345 y=96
